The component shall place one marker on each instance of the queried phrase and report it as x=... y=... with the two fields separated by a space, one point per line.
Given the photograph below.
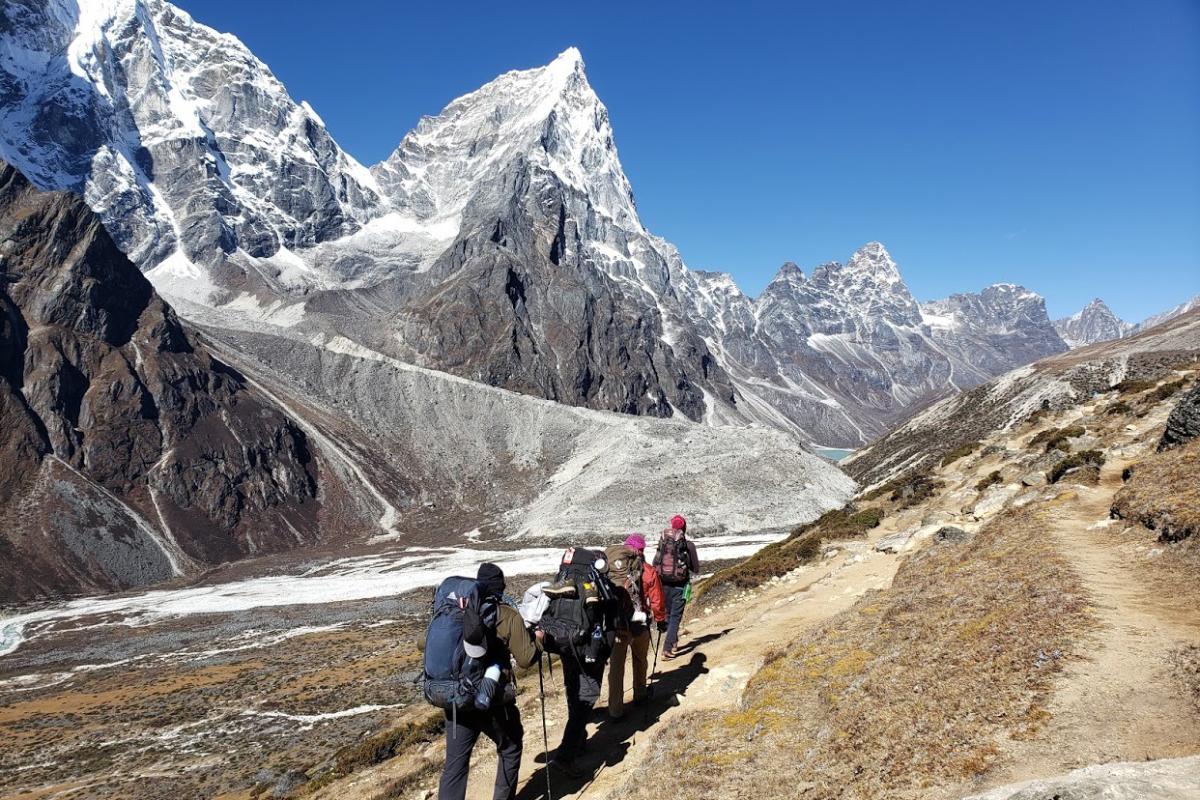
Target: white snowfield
x=341 y=580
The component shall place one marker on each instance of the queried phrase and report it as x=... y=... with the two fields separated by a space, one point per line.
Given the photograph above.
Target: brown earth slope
x=128 y=454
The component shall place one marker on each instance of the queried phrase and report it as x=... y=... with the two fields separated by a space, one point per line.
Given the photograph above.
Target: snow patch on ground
x=341 y=580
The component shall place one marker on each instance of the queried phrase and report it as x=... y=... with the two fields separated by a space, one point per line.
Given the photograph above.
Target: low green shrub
x=991 y=480
x=959 y=452
x=1130 y=386
x=1057 y=438
x=916 y=491
x=1084 y=458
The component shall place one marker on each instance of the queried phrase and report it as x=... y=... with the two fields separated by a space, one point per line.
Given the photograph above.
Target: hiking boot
x=564 y=588
x=591 y=593
x=568 y=768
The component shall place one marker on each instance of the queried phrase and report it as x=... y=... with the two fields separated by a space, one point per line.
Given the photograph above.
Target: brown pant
x=640 y=645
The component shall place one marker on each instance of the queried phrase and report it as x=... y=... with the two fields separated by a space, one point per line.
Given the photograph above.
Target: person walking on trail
x=509 y=641
x=636 y=637
x=580 y=627
x=676 y=562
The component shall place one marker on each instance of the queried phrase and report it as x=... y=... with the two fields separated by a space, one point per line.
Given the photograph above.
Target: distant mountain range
x=1096 y=323
x=136 y=448
x=500 y=241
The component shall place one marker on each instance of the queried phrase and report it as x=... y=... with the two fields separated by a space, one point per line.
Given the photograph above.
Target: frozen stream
x=340 y=580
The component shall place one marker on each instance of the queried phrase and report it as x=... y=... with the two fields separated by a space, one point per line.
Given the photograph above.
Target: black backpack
x=583 y=625
x=451 y=678
x=673 y=562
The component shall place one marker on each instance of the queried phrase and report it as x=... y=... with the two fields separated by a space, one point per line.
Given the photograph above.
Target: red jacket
x=652 y=589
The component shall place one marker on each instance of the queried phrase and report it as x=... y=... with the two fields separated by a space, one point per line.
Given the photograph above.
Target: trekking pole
x=654 y=669
x=657 y=643
x=545 y=734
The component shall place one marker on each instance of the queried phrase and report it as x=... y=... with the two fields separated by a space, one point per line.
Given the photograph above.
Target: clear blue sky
x=1053 y=144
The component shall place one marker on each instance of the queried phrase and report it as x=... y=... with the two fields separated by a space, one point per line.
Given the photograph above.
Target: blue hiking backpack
x=452 y=678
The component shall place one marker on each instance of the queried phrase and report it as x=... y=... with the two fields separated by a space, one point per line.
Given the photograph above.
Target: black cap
x=490 y=579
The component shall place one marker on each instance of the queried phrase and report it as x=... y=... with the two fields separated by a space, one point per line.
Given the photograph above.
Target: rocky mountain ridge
x=1049 y=385
x=1096 y=323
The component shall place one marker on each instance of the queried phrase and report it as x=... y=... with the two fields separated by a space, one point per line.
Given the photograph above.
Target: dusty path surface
x=1121 y=703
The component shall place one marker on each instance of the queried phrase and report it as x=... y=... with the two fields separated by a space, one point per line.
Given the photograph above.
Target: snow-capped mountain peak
x=1095 y=322
x=998 y=310
x=868 y=286
x=548 y=115
x=182 y=140
x=500 y=241
x=873 y=258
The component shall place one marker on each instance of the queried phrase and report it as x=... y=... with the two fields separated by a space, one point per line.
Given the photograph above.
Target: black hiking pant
x=675 y=605
x=503 y=726
x=581 y=681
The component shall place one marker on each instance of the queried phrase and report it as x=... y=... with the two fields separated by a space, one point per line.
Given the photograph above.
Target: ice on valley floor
x=308 y=721
x=341 y=580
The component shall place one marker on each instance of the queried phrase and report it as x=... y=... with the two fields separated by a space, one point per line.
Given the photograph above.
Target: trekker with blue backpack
x=676 y=562
x=472 y=641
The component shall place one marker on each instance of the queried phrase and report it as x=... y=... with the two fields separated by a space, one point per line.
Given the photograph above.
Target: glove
x=662 y=626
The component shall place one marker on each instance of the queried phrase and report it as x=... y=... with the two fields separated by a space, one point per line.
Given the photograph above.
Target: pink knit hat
x=636 y=541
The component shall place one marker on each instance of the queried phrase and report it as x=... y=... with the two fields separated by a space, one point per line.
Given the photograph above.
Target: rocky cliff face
x=129 y=454
x=551 y=285
x=186 y=145
x=1094 y=323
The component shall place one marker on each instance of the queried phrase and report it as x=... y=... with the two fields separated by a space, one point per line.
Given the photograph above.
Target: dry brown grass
x=962 y=451
x=1163 y=493
x=913 y=687
x=1086 y=462
x=994 y=477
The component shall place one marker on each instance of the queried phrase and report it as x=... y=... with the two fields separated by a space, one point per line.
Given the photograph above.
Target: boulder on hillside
x=1184 y=423
x=1166 y=779
x=951 y=534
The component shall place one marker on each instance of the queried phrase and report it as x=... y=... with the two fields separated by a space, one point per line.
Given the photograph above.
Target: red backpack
x=672 y=561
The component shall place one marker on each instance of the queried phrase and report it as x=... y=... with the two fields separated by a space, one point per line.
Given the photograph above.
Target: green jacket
x=512 y=633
